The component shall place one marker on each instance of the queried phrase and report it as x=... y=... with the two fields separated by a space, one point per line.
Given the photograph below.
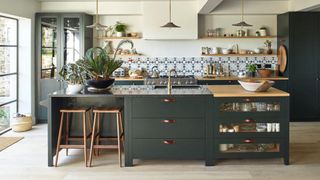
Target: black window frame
x=15 y=73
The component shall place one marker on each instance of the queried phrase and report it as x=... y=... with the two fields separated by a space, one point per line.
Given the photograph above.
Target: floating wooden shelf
x=236 y=37
x=128 y=54
x=238 y=54
x=118 y=37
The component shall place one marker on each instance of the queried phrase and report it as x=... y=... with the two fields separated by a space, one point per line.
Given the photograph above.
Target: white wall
x=24 y=10
x=226 y=14
x=303 y=5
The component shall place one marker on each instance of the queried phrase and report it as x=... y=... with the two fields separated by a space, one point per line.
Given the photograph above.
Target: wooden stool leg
x=121 y=126
x=98 y=131
x=59 y=139
x=67 y=132
x=85 y=138
x=92 y=138
x=90 y=120
x=118 y=138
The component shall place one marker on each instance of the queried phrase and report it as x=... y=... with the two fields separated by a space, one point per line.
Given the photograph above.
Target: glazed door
x=48 y=48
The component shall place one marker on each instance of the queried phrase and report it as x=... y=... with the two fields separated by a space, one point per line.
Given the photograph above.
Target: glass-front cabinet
x=61 y=38
x=251 y=127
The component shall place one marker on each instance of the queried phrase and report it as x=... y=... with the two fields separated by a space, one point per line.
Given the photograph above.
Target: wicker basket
x=20 y=124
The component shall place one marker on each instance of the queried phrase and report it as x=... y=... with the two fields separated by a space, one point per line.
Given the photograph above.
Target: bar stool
x=96 y=135
x=84 y=137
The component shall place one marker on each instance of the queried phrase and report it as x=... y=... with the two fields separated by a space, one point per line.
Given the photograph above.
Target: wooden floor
x=27 y=159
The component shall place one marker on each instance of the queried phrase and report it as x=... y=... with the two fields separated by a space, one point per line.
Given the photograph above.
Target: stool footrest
x=100 y=146
x=71 y=146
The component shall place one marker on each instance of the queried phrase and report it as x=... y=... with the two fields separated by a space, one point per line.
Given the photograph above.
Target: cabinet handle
x=249 y=121
x=169 y=142
x=318 y=78
x=167 y=121
x=247 y=99
x=248 y=141
x=168 y=100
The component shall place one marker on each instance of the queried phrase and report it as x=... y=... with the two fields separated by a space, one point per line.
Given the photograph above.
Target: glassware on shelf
x=250 y=147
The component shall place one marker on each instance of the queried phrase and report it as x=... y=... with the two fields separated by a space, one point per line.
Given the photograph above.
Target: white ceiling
x=134 y=0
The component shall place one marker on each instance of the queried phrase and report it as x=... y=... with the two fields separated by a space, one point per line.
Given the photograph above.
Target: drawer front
x=249 y=147
x=164 y=107
x=169 y=148
x=168 y=128
x=251 y=127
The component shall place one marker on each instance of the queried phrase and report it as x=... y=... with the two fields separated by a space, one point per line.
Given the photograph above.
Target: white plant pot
x=120 y=34
x=74 y=88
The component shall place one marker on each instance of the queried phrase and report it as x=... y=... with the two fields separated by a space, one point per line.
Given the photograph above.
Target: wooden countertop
x=128 y=79
x=238 y=91
x=228 y=78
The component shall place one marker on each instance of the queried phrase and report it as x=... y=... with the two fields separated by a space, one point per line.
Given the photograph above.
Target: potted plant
x=74 y=75
x=120 y=29
x=251 y=70
x=268 y=43
x=99 y=65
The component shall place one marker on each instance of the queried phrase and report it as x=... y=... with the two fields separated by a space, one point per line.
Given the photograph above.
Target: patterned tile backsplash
x=196 y=65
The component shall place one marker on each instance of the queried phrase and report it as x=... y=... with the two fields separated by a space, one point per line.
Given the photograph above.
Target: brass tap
x=169 y=80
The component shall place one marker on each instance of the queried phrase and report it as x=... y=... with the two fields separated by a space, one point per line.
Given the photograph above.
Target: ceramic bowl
x=265 y=72
x=255 y=85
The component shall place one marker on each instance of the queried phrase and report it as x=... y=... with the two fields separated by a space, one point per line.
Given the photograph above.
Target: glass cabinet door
x=250 y=107
x=249 y=147
x=71 y=44
x=249 y=126
x=49 y=47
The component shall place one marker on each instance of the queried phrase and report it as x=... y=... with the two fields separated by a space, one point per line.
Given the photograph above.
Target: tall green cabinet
x=61 y=38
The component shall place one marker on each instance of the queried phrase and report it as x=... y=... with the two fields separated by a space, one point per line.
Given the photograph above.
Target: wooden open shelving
x=111 y=38
x=238 y=54
x=236 y=37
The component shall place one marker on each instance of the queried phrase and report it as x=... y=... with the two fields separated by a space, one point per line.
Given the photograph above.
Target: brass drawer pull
x=168 y=100
x=248 y=141
x=249 y=120
x=167 y=121
x=169 y=142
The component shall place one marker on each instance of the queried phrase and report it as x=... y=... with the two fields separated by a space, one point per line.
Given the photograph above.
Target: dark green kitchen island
x=157 y=125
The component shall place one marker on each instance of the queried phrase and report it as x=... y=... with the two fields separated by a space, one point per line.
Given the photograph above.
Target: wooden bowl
x=264 y=73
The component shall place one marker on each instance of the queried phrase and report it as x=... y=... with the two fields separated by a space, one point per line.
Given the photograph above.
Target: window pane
x=8 y=60
x=8 y=31
x=8 y=88
x=72 y=36
x=6 y=112
x=49 y=47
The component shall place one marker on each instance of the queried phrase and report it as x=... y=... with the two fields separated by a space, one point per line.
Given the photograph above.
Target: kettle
x=154 y=72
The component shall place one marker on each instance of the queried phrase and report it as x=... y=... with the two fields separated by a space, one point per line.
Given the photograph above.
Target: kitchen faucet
x=169 y=80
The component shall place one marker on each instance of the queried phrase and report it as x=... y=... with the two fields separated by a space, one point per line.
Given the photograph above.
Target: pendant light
x=170 y=24
x=97 y=24
x=242 y=23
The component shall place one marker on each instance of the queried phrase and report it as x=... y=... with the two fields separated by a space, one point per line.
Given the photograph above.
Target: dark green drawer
x=169 y=148
x=169 y=128
x=165 y=107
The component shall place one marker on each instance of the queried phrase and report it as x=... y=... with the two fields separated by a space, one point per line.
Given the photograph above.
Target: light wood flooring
x=27 y=159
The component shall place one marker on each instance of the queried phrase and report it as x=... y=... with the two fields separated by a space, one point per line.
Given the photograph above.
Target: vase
x=100 y=84
x=251 y=74
x=120 y=34
x=269 y=51
x=74 y=88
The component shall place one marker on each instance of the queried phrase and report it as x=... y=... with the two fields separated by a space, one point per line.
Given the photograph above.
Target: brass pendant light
x=97 y=24
x=242 y=23
x=170 y=24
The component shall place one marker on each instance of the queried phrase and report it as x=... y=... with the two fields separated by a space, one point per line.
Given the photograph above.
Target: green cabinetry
x=166 y=127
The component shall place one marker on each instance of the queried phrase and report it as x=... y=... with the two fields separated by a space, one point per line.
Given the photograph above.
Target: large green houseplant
x=99 y=65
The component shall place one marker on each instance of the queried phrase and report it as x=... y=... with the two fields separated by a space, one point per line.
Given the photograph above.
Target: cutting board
x=282 y=58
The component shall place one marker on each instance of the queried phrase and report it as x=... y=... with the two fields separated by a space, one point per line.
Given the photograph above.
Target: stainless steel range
x=175 y=80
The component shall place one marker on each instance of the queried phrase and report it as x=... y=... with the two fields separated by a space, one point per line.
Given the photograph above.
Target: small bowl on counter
x=264 y=73
x=256 y=85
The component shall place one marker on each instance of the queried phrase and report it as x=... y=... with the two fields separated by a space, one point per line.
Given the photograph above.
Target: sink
x=178 y=87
